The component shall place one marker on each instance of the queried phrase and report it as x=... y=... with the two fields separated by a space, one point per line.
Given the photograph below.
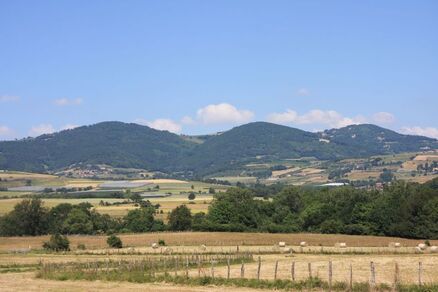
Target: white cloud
x=5 y=131
x=41 y=129
x=420 y=131
x=223 y=113
x=303 y=92
x=329 y=118
x=186 y=120
x=69 y=127
x=384 y=118
x=9 y=98
x=67 y=101
x=161 y=124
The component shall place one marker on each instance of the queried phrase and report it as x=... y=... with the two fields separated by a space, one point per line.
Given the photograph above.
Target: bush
x=161 y=242
x=57 y=242
x=81 y=246
x=192 y=196
x=114 y=241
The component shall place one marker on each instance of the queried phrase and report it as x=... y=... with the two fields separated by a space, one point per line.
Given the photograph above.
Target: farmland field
x=275 y=262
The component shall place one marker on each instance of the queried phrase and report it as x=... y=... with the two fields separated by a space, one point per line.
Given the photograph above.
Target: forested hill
x=114 y=143
x=366 y=140
x=131 y=145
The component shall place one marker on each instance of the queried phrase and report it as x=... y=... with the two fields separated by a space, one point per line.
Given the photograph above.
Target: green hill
x=114 y=143
x=367 y=140
x=134 y=146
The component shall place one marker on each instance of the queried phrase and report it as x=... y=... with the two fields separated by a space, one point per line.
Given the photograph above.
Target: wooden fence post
x=396 y=276
x=258 y=269
x=330 y=275
x=228 y=268
x=187 y=266
x=351 y=278
x=420 y=274
x=373 y=275
x=199 y=265
x=292 y=271
x=212 y=269
x=176 y=266
x=242 y=270
x=309 y=267
x=276 y=268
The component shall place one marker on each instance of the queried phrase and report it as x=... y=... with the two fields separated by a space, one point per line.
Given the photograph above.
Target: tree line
x=402 y=209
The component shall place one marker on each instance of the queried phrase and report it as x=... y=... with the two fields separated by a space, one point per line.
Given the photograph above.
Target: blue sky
x=202 y=66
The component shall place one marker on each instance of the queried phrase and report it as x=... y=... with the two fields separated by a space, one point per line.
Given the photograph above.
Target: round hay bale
x=282 y=244
x=303 y=244
x=434 y=249
x=154 y=245
x=203 y=247
x=418 y=249
x=422 y=246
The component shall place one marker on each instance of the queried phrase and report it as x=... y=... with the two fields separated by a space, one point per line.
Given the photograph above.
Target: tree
x=180 y=218
x=211 y=190
x=235 y=207
x=57 y=242
x=78 y=222
x=192 y=196
x=29 y=217
x=114 y=241
x=140 y=220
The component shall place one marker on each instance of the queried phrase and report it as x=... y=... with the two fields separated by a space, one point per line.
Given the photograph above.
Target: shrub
x=161 y=242
x=81 y=246
x=114 y=241
x=57 y=242
x=192 y=196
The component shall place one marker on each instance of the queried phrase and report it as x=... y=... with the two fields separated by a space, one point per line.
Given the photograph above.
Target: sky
x=197 y=67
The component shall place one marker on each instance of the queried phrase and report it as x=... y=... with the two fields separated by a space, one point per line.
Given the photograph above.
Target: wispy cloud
x=161 y=124
x=9 y=98
x=303 y=92
x=68 y=101
x=320 y=117
x=5 y=131
x=41 y=129
x=421 y=131
x=384 y=118
x=69 y=127
x=223 y=113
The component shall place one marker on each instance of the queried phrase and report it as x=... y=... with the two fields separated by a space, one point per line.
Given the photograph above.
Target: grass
x=142 y=276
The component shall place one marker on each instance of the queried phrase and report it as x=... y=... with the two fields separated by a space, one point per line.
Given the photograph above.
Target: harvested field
x=214 y=239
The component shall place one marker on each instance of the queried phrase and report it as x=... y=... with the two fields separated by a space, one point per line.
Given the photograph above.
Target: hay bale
x=282 y=244
x=422 y=246
x=303 y=244
x=394 y=244
x=203 y=247
x=418 y=249
x=287 y=250
x=434 y=249
x=168 y=250
x=154 y=245
x=341 y=245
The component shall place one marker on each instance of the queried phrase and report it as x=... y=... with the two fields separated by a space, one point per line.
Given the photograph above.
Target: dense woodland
x=403 y=209
x=134 y=146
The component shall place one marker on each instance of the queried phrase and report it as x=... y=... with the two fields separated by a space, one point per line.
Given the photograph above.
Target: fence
x=243 y=266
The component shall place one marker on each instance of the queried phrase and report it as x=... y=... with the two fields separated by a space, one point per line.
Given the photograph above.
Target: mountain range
x=134 y=146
